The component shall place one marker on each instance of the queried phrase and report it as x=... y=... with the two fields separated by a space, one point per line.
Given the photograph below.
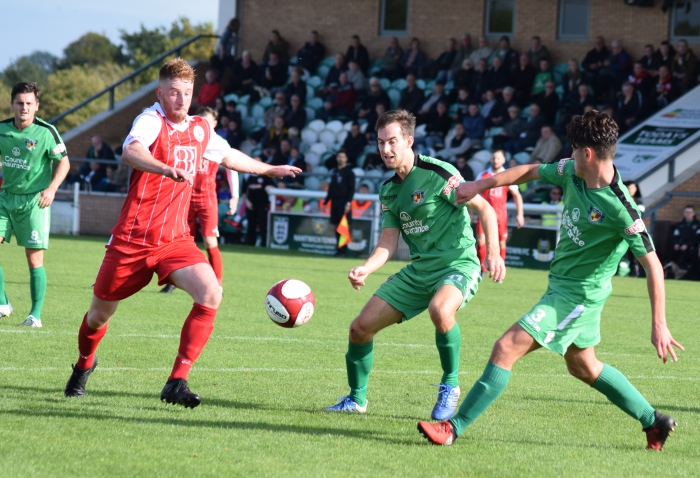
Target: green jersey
x=598 y=225
x=27 y=155
x=422 y=206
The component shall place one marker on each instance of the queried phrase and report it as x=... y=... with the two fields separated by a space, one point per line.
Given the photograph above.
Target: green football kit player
x=600 y=222
x=28 y=147
x=418 y=202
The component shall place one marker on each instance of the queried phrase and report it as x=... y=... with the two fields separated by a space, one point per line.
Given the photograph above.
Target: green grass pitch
x=264 y=388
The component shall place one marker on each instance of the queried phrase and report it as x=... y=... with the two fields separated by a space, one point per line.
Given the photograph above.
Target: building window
x=574 y=19
x=394 y=21
x=685 y=21
x=500 y=18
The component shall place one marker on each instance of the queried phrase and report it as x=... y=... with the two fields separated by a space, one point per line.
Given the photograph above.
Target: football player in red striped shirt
x=165 y=148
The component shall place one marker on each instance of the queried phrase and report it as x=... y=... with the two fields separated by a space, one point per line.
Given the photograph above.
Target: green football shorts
x=556 y=322
x=410 y=292
x=21 y=213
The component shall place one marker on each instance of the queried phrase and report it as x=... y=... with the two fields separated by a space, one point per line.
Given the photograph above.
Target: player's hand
x=496 y=267
x=46 y=198
x=357 y=277
x=283 y=171
x=178 y=175
x=520 y=219
x=466 y=191
x=232 y=206
x=662 y=340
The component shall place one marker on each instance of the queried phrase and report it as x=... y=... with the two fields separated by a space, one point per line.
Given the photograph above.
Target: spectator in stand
x=311 y=54
x=354 y=144
x=474 y=126
x=667 y=89
x=456 y=144
x=463 y=101
x=333 y=77
x=209 y=91
x=96 y=173
x=575 y=105
x=594 y=60
x=234 y=135
x=391 y=61
x=537 y=52
x=222 y=127
x=464 y=169
x=436 y=128
x=684 y=64
x=244 y=74
x=257 y=203
x=372 y=117
x=499 y=113
x=464 y=77
x=297 y=160
x=664 y=55
x=271 y=140
x=542 y=77
x=572 y=78
x=231 y=113
x=555 y=199
x=341 y=102
x=508 y=56
x=296 y=85
x=500 y=75
x=225 y=53
x=443 y=65
x=481 y=81
x=362 y=209
x=374 y=95
x=512 y=128
x=630 y=107
x=358 y=52
x=649 y=61
x=464 y=50
x=356 y=77
x=277 y=45
x=522 y=80
x=273 y=74
x=529 y=137
x=429 y=106
x=340 y=193
x=547 y=147
x=277 y=109
x=483 y=52
x=115 y=179
x=549 y=103
x=686 y=237
x=642 y=80
x=220 y=106
x=282 y=154
x=414 y=59
x=615 y=71
x=99 y=149
x=487 y=107
x=373 y=162
x=412 y=97
x=296 y=115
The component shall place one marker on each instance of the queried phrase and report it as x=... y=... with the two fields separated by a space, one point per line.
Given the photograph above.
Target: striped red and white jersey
x=496 y=197
x=204 y=188
x=155 y=210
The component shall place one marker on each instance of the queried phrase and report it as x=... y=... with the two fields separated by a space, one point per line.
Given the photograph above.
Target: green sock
x=359 y=363
x=483 y=393
x=622 y=393
x=3 y=295
x=448 y=348
x=37 y=287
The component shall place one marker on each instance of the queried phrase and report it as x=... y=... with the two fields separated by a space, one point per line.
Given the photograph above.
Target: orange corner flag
x=344 y=230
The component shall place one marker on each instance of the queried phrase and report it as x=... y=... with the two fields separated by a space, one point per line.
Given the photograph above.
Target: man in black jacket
x=340 y=193
x=311 y=53
x=686 y=237
x=358 y=52
x=257 y=203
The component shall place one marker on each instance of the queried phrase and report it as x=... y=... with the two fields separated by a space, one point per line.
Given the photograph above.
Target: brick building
x=567 y=27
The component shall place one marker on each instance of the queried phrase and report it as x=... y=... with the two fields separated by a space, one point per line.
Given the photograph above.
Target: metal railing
x=110 y=89
x=651 y=212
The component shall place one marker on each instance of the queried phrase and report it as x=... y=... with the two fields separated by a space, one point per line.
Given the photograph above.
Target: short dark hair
x=405 y=119
x=314 y=32
x=355 y=37
x=231 y=103
x=206 y=110
x=22 y=87
x=505 y=39
x=594 y=130
x=649 y=45
x=689 y=206
x=536 y=37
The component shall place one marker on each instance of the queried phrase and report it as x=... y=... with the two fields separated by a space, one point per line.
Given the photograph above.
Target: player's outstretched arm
x=383 y=252
x=48 y=194
x=493 y=262
x=517 y=175
x=660 y=335
x=138 y=157
x=241 y=162
x=518 y=200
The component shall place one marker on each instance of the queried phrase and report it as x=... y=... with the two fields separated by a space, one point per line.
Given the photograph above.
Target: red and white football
x=290 y=303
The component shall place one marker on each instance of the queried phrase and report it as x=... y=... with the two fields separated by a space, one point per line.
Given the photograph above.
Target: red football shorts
x=208 y=216
x=502 y=228
x=126 y=269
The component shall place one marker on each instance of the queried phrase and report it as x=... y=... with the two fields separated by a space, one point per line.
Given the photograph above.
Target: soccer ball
x=290 y=303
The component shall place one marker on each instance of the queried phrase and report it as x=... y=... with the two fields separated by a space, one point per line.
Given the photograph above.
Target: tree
x=33 y=67
x=91 y=49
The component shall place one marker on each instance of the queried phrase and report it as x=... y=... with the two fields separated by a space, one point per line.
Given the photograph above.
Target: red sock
x=216 y=263
x=503 y=253
x=481 y=252
x=193 y=338
x=88 y=340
